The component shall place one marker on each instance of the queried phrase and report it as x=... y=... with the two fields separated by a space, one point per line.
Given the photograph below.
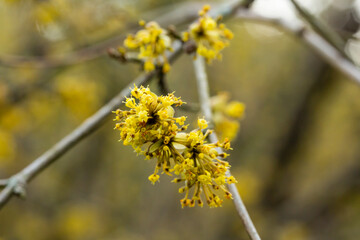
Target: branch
x=3 y=182
x=124 y=57
x=204 y=98
x=323 y=48
x=321 y=28
x=16 y=184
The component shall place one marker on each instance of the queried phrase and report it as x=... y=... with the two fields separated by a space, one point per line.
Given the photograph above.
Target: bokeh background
x=296 y=157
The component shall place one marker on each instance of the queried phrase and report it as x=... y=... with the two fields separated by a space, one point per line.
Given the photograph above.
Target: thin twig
x=190 y=107
x=6 y=195
x=320 y=46
x=3 y=182
x=122 y=57
x=162 y=82
x=204 y=98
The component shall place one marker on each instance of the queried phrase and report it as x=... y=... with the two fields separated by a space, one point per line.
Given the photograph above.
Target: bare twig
x=3 y=182
x=204 y=98
x=190 y=107
x=122 y=57
x=162 y=83
x=6 y=194
x=320 y=46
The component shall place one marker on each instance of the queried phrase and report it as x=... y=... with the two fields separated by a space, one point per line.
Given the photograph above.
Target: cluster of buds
x=226 y=115
x=152 y=130
x=207 y=37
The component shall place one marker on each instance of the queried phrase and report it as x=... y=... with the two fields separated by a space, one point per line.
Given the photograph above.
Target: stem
x=162 y=83
x=204 y=99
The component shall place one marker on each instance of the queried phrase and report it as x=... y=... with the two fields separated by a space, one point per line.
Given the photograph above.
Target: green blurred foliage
x=296 y=157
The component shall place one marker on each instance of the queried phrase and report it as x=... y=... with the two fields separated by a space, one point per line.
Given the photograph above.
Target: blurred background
x=296 y=157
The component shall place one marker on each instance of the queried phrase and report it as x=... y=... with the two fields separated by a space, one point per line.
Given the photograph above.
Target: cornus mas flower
x=152 y=42
x=210 y=36
x=152 y=130
x=202 y=169
x=149 y=119
x=226 y=115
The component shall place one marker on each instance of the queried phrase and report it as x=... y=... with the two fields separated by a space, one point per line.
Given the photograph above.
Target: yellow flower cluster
x=226 y=115
x=152 y=42
x=152 y=130
x=210 y=36
x=85 y=92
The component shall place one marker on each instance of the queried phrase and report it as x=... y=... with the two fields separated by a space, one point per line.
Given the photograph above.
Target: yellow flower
x=150 y=124
x=235 y=109
x=149 y=65
x=202 y=123
x=152 y=43
x=166 y=67
x=154 y=178
x=231 y=179
x=209 y=36
x=226 y=115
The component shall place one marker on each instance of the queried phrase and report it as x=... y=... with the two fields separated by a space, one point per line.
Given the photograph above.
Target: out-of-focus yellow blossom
x=226 y=115
x=7 y=147
x=45 y=12
x=294 y=230
x=81 y=96
x=210 y=36
x=41 y=106
x=249 y=186
x=151 y=129
x=15 y=119
x=30 y=224
x=80 y=221
x=152 y=42
x=3 y=93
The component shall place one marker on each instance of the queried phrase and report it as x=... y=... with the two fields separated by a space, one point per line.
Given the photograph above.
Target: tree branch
x=323 y=29
x=204 y=98
x=320 y=46
x=17 y=183
x=3 y=182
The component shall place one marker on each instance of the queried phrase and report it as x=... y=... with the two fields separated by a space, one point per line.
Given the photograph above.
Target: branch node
x=190 y=47
x=18 y=185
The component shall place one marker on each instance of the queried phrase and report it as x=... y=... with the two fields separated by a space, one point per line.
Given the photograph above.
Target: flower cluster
x=152 y=42
x=152 y=130
x=210 y=36
x=226 y=115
